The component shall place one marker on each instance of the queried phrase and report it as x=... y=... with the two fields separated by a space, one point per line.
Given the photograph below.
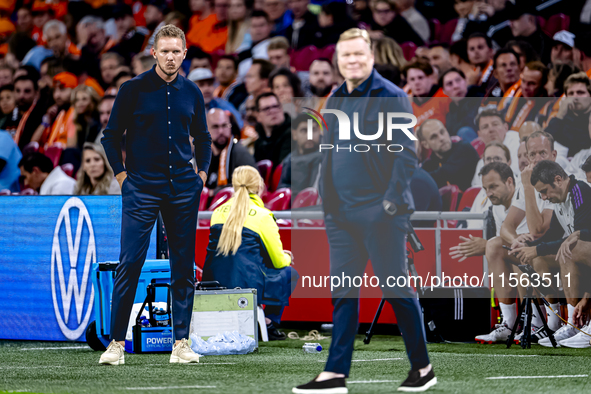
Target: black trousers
x=384 y=243
x=139 y=213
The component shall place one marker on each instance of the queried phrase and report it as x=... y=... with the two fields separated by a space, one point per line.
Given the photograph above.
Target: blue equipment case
x=103 y=275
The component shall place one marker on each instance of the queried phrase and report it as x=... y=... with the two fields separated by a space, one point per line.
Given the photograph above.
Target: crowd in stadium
x=497 y=86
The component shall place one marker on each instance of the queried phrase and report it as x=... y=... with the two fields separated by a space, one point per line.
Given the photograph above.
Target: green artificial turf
x=279 y=366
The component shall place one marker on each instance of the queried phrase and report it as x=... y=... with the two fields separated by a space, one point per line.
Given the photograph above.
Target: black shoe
x=414 y=382
x=274 y=334
x=330 y=386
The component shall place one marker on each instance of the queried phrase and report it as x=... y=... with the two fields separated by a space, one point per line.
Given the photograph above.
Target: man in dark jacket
x=367 y=201
x=302 y=32
x=274 y=142
x=450 y=163
x=301 y=166
x=226 y=155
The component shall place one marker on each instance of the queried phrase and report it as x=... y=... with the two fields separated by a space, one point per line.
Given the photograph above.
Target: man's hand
x=565 y=251
x=473 y=75
x=526 y=254
x=473 y=246
x=120 y=178
x=520 y=241
x=203 y=176
x=582 y=311
x=526 y=175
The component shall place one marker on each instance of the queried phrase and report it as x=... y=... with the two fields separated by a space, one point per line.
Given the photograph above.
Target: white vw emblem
x=72 y=288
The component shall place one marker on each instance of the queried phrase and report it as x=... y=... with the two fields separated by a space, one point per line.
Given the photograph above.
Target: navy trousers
x=139 y=213
x=351 y=245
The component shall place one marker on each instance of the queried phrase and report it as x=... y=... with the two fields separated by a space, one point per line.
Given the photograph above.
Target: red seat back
x=302 y=58
x=265 y=168
x=306 y=198
x=68 y=168
x=276 y=177
x=556 y=23
x=468 y=197
x=408 y=48
x=435 y=27
x=221 y=197
x=203 y=199
x=279 y=200
x=450 y=196
x=5 y=192
x=31 y=147
x=54 y=153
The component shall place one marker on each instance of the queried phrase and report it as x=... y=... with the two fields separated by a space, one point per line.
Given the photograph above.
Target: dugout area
x=54 y=367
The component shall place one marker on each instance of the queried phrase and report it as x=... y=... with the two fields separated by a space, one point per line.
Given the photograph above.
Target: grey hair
x=93 y=20
x=54 y=24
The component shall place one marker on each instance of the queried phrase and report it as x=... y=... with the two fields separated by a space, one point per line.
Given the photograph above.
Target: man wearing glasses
x=226 y=153
x=273 y=128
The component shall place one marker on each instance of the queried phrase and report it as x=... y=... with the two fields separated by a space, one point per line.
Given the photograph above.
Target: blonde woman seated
x=245 y=249
x=95 y=175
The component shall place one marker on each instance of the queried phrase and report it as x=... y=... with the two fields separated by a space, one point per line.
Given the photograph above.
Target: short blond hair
x=354 y=33
x=170 y=31
x=580 y=77
x=278 y=42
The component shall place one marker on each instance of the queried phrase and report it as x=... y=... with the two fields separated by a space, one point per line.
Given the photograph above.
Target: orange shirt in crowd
x=435 y=107
x=208 y=35
x=62 y=127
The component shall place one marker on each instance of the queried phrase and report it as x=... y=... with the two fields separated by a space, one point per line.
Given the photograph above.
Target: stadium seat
x=5 y=192
x=327 y=52
x=450 y=195
x=28 y=192
x=408 y=48
x=203 y=199
x=265 y=168
x=479 y=145
x=31 y=147
x=556 y=23
x=468 y=197
x=306 y=198
x=435 y=27
x=279 y=200
x=68 y=168
x=54 y=153
x=221 y=197
x=276 y=177
x=447 y=31
x=303 y=57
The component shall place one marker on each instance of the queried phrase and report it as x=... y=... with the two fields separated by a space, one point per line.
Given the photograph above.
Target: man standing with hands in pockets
x=161 y=111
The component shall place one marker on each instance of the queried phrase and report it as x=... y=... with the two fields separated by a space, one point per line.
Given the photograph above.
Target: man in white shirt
x=492 y=127
x=41 y=176
x=538 y=212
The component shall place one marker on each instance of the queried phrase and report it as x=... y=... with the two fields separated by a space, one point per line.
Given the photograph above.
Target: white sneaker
x=563 y=333
x=114 y=355
x=183 y=354
x=499 y=334
x=580 y=340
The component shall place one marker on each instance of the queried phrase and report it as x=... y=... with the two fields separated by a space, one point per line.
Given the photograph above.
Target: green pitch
x=279 y=366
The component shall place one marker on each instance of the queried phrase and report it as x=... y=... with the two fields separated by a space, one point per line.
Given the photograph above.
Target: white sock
x=536 y=320
x=554 y=321
x=509 y=314
x=571 y=313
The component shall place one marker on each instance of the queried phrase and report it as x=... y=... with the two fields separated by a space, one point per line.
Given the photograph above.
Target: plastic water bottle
x=312 y=348
x=162 y=318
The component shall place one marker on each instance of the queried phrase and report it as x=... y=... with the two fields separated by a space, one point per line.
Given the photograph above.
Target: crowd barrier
x=48 y=245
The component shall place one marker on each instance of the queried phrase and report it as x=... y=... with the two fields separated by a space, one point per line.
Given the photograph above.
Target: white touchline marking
x=45 y=366
x=55 y=348
x=375 y=359
x=538 y=377
x=372 y=381
x=159 y=365
x=170 y=388
x=491 y=355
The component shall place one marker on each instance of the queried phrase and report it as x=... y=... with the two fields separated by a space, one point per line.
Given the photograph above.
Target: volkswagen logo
x=69 y=262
